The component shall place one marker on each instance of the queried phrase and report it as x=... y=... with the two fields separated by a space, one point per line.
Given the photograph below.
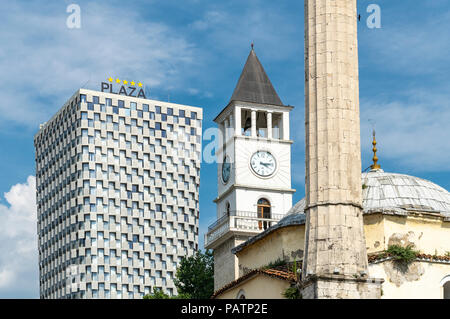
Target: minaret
x=335 y=263
x=375 y=165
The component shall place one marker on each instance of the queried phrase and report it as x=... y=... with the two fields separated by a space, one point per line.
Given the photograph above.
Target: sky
x=192 y=52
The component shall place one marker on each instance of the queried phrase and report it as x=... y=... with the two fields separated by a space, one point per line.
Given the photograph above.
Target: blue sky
x=195 y=52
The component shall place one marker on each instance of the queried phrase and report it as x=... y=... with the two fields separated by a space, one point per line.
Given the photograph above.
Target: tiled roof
x=279 y=272
x=285 y=272
x=254 y=85
x=288 y=220
x=299 y=207
x=379 y=257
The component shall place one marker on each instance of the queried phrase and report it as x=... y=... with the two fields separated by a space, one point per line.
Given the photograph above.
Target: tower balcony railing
x=243 y=221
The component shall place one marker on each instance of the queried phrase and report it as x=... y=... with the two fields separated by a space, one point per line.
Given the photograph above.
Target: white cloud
x=407 y=46
x=227 y=31
x=44 y=60
x=412 y=117
x=209 y=20
x=412 y=131
x=19 y=268
x=200 y=93
x=6 y=278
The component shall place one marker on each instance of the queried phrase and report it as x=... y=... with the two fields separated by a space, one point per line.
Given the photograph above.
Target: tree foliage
x=195 y=276
x=159 y=294
x=277 y=263
x=402 y=254
x=292 y=293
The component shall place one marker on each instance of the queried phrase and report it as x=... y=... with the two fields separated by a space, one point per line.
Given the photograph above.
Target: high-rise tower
x=335 y=263
x=117 y=195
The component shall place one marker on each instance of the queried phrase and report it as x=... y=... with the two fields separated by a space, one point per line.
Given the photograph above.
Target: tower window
x=261 y=124
x=276 y=126
x=246 y=124
x=241 y=294
x=263 y=212
x=228 y=208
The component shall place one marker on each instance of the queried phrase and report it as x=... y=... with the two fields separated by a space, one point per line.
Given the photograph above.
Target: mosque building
x=355 y=235
x=398 y=210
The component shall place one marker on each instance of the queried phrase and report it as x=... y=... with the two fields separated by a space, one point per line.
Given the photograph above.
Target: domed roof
x=397 y=193
x=391 y=191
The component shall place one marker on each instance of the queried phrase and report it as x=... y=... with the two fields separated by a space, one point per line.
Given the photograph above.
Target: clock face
x=263 y=163
x=226 y=169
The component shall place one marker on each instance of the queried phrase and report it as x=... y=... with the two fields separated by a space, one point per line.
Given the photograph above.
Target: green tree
x=195 y=276
x=159 y=294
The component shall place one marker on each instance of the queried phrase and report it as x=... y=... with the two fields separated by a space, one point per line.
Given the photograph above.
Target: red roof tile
x=280 y=272
x=285 y=272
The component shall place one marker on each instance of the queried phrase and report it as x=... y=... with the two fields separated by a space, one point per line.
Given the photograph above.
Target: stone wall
x=420 y=279
x=341 y=287
x=258 y=287
x=226 y=263
x=284 y=244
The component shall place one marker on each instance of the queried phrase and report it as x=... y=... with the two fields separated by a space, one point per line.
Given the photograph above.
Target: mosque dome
x=388 y=193
x=398 y=194
x=402 y=193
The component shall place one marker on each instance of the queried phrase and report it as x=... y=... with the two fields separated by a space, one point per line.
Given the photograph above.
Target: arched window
x=445 y=284
x=263 y=212
x=241 y=294
x=447 y=290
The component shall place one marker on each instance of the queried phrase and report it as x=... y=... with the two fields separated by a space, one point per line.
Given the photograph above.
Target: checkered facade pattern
x=117 y=195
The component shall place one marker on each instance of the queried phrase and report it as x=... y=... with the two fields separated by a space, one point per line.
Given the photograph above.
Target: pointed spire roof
x=254 y=84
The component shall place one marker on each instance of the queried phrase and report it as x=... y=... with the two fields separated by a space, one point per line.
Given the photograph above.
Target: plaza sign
x=127 y=89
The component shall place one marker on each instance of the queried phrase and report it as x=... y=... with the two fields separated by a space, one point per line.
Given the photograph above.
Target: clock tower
x=254 y=168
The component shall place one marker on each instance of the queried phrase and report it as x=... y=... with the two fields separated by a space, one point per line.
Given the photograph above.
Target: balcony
x=242 y=222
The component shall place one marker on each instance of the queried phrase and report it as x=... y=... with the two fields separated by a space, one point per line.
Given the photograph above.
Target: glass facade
x=117 y=195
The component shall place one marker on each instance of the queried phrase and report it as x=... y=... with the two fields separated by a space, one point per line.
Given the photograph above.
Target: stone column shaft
x=253 y=123
x=232 y=127
x=237 y=121
x=226 y=130
x=269 y=124
x=335 y=242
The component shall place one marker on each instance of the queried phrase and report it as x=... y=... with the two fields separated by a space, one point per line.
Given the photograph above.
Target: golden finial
x=375 y=164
